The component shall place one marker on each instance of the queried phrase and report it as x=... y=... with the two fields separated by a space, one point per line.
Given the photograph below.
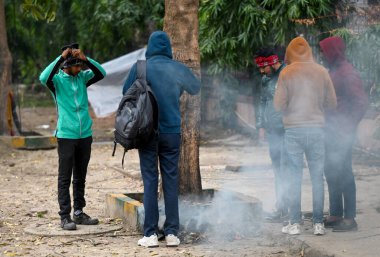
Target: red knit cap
x=266 y=61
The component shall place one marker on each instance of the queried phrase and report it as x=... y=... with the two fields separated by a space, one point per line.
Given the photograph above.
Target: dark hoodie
x=267 y=116
x=304 y=89
x=351 y=97
x=168 y=79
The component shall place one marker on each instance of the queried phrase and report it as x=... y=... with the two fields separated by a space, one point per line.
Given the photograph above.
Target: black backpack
x=136 y=121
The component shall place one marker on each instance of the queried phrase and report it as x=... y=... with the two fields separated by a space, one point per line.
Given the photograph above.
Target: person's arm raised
x=47 y=76
x=96 y=71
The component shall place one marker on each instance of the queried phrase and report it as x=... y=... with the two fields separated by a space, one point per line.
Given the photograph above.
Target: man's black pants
x=74 y=155
x=339 y=174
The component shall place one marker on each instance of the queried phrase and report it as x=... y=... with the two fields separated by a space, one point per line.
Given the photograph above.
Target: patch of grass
x=37 y=100
x=41 y=214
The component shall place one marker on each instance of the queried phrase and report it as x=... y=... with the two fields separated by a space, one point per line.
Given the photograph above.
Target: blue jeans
x=275 y=141
x=339 y=176
x=297 y=142
x=165 y=148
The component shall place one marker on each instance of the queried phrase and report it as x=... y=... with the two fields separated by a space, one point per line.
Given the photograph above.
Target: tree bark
x=181 y=24
x=5 y=69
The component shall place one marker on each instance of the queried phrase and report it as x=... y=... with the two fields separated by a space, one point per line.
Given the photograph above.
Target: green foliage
x=104 y=29
x=232 y=30
x=363 y=51
x=40 y=9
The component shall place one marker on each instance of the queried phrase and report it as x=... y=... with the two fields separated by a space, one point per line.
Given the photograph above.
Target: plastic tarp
x=105 y=95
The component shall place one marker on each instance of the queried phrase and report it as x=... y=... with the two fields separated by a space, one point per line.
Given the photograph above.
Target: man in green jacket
x=269 y=123
x=68 y=84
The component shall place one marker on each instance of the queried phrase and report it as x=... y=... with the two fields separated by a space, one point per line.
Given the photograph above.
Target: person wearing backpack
x=168 y=79
x=68 y=86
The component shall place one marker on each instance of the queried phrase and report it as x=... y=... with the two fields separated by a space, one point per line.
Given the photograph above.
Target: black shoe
x=68 y=224
x=344 y=226
x=84 y=219
x=331 y=223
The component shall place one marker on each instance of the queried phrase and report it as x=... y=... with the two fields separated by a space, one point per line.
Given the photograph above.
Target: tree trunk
x=5 y=69
x=181 y=24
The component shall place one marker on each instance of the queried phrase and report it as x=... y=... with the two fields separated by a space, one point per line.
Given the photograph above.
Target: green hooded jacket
x=70 y=95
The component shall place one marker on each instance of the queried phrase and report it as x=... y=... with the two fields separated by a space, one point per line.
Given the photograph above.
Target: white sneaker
x=292 y=229
x=149 y=242
x=319 y=229
x=172 y=240
x=285 y=228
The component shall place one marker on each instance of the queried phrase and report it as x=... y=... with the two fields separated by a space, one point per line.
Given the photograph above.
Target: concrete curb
x=295 y=244
x=305 y=249
x=129 y=207
x=30 y=142
x=125 y=206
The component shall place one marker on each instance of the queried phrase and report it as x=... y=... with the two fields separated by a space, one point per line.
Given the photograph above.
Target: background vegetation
x=231 y=31
x=105 y=29
x=363 y=50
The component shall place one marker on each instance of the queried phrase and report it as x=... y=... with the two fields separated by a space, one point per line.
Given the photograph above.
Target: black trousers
x=339 y=174
x=74 y=155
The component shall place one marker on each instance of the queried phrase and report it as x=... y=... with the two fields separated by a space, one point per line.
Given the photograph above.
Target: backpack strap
x=155 y=109
x=122 y=161
x=114 y=147
x=141 y=69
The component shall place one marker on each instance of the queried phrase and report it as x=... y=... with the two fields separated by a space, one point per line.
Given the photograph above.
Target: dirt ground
x=28 y=191
x=28 y=195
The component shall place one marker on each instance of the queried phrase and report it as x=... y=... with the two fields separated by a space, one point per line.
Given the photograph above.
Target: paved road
x=257 y=179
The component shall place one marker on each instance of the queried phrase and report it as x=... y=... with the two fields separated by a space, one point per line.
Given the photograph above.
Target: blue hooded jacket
x=168 y=79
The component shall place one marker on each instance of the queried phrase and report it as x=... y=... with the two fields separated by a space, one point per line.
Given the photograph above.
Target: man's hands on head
x=77 y=53
x=66 y=52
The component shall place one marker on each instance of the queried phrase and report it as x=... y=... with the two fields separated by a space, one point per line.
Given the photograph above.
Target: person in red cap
x=269 y=122
x=340 y=135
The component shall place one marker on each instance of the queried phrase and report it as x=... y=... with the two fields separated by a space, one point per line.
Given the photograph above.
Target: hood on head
x=159 y=44
x=298 y=50
x=333 y=49
x=71 y=61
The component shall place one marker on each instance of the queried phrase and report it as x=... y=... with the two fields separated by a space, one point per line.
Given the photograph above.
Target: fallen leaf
x=10 y=254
